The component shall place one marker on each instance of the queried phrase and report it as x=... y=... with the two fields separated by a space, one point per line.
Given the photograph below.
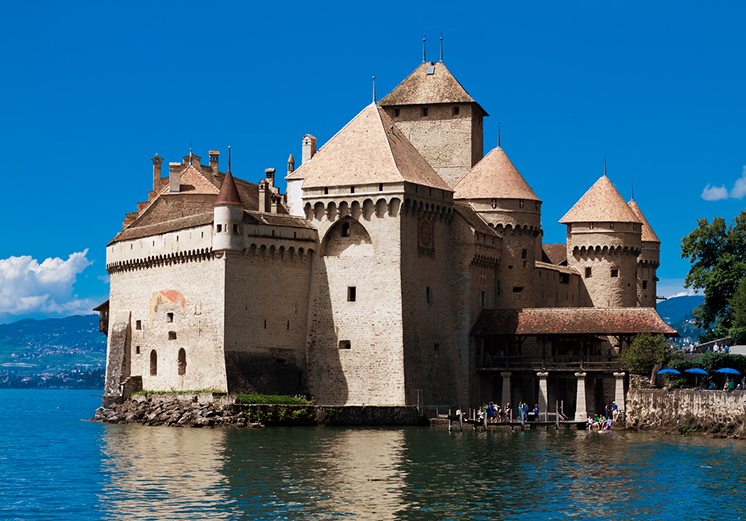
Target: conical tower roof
x=494 y=177
x=601 y=203
x=369 y=149
x=228 y=194
x=430 y=83
x=648 y=235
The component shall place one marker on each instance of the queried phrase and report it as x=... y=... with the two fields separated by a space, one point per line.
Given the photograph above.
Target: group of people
x=495 y=413
x=603 y=422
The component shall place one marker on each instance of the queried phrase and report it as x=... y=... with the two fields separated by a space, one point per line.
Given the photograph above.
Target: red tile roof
x=554 y=253
x=602 y=203
x=228 y=194
x=648 y=235
x=494 y=177
x=570 y=321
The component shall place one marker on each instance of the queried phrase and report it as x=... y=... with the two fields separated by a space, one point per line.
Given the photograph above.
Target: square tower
x=441 y=120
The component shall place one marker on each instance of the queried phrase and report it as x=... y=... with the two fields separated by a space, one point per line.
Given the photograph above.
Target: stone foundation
x=205 y=410
x=687 y=411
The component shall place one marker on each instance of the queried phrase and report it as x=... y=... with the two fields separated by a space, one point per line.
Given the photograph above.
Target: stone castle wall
x=355 y=347
x=173 y=306
x=687 y=410
x=266 y=312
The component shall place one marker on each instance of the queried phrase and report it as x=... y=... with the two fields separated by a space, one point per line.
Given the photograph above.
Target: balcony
x=592 y=363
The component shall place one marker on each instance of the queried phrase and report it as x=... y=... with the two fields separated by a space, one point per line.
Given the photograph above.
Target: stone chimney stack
x=157 y=161
x=309 y=148
x=174 y=177
x=273 y=207
x=264 y=195
x=291 y=164
x=214 y=160
x=269 y=175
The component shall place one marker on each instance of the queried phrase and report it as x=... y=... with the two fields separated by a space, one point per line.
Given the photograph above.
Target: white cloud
x=28 y=286
x=717 y=193
x=672 y=288
x=714 y=193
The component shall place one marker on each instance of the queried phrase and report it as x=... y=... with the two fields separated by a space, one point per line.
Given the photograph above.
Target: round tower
x=502 y=197
x=647 y=262
x=227 y=217
x=603 y=244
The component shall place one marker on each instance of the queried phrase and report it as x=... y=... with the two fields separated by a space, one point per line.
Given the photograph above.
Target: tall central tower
x=441 y=120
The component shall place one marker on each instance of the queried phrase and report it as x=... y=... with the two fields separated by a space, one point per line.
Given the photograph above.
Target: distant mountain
x=678 y=313
x=61 y=352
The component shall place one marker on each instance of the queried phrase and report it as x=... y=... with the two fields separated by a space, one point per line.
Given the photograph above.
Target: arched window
x=153 y=363
x=182 y=361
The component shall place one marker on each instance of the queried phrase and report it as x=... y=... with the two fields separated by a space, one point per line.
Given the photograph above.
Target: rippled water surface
x=55 y=466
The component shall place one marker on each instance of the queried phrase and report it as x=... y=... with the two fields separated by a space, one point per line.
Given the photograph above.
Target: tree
x=717 y=254
x=645 y=353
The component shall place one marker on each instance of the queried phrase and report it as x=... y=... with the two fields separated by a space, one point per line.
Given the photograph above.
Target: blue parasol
x=728 y=370
x=668 y=370
x=695 y=370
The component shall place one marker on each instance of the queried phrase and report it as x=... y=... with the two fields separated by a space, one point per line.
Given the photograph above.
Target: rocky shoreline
x=205 y=410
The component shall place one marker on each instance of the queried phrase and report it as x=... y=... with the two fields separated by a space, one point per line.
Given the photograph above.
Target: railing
x=597 y=363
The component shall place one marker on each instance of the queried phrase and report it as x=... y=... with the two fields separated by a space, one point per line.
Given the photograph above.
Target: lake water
x=55 y=466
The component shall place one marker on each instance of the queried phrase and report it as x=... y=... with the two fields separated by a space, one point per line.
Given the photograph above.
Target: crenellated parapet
x=154 y=261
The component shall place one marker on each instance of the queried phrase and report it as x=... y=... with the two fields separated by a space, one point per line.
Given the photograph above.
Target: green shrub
x=644 y=353
x=269 y=399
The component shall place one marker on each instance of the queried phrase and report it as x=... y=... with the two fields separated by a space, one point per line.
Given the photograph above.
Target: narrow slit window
x=428 y=294
x=137 y=350
x=456 y=111
x=169 y=317
x=181 y=362
x=588 y=272
x=425 y=111
x=153 y=363
x=351 y=293
x=138 y=325
x=220 y=228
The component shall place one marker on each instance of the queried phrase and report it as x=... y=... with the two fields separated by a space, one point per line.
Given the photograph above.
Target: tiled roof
x=601 y=203
x=648 y=235
x=494 y=177
x=421 y=88
x=554 y=253
x=228 y=194
x=369 y=149
x=172 y=225
x=570 y=321
x=475 y=221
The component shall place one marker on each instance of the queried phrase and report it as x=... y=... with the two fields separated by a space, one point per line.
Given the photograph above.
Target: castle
x=401 y=267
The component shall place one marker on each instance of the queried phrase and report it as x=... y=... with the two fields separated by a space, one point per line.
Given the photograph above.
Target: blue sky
x=92 y=90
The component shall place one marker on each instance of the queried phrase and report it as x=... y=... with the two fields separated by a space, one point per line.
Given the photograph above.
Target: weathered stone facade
x=363 y=283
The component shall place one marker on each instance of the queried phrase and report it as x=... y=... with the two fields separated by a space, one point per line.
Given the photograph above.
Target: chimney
x=273 y=207
x=174 y=177
x=214 y=160
x=309 y=148
x=269 y=175
x=157 y=161
x=264 y=195
x=291 y=164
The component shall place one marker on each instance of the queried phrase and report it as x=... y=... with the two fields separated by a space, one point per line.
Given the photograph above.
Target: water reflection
x=164 y=473
x=322 y=473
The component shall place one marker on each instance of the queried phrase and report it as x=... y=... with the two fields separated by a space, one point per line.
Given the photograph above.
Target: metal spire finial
x=632 y=183
x=190 y=152
x=441 y=47
x=229 y=159
x=605 y=165
x=374 y=88
x=424 y=48
x=498 y=134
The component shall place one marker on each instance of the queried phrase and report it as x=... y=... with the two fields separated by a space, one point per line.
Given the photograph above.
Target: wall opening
x=351 y=293
x=137 y=350
x=614 y=272
x=345 y=232
x=172 y=335
x=220 y=228
x=169 y=317
x=153 y=363
x=345 y=344
x=138 y=324
x=588 y=272
x=182 y=361
x=428 y=294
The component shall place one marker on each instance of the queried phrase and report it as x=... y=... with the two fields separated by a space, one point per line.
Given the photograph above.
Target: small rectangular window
x=427 y=294
x=644 y=284
x=137 y=350
x=590 y=226
x=326 y=190
x=138 y=324
x=524 y=254
x=517 y=289
x=424 y=111
x=265 y=323
x=456 y=110
x=351 y=293
x=169 y=317
x=588 y=272
x=235 y=229
x=345 y=344
x=436 y=347
x=220 y=228
x=352 y=189
x=611 y=225
x=380 y=187
x=614 y=272
x=520 y=203
x=172 y=335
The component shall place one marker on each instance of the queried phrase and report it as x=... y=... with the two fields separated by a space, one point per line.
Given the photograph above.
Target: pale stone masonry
x=385 y=275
